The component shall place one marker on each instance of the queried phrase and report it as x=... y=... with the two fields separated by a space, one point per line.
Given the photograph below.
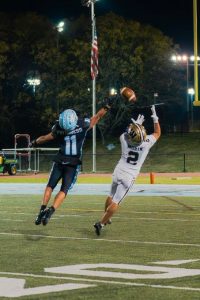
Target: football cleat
x=48 y=213
x=41 y=214
x=98 y=228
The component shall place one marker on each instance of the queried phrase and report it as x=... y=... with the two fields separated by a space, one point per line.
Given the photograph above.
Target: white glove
x=154 y=115
x=140 y=120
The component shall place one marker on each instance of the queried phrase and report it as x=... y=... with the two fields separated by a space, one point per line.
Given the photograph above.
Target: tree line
x=130 y=54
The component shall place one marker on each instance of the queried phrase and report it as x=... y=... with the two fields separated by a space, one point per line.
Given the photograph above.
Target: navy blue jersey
x=71 y=143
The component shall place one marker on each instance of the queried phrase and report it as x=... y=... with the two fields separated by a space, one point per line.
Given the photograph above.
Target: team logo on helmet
x=68 y=119
x=136 y=134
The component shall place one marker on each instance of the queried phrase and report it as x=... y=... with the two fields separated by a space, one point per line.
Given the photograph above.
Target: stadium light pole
x=191 y=92
x=34 y=81
x=59 y=28
x=183 y=59
x=187 y=60
x=155 y=96
x=90 y=3
x=196 y=78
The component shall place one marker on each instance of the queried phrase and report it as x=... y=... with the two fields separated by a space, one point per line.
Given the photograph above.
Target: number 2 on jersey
x=133 y=157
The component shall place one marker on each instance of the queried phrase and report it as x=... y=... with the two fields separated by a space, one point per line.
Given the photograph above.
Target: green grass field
x=144 y=231
x=107 y=178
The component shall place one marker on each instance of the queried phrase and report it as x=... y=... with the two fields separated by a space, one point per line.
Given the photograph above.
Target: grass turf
x=95 y=179
x=144 y=230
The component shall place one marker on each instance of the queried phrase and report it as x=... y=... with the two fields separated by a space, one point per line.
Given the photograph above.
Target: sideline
x=103 y=189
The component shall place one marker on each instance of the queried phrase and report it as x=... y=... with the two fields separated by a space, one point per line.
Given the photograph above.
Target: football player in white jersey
x=135 y=146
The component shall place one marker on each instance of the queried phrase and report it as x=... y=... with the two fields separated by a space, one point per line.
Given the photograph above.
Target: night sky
x=173 y=18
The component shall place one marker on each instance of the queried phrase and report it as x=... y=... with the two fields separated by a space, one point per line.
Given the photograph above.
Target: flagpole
x=93 y=21
x=94 y=72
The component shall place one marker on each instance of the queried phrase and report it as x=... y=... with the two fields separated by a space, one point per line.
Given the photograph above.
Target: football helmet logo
x=136 y=134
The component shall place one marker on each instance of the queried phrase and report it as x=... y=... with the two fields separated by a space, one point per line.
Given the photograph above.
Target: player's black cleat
x=98 y=228
x=41 y=214
x=48 y=213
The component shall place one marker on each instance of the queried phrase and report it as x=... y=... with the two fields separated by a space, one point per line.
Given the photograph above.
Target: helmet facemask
x=136 y=134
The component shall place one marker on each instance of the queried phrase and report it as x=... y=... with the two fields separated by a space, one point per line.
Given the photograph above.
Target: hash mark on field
x=12 y=220
x=98 y=239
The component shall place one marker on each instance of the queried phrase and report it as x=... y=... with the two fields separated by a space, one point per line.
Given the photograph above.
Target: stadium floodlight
x=87 y=2
x=180 y=58
x=191 y=92
x=155 y=96
x=192 y=58
x=185 y=59
x=60 y=26
x=112 y=92
x=34 y=82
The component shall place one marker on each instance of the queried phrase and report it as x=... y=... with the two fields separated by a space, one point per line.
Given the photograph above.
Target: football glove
x=108 y=102
x=140 y=120
x=154 y=115
x=33 y=144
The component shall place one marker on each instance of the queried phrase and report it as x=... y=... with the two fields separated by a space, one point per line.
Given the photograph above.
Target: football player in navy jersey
x=135 y=146
x=70 y=131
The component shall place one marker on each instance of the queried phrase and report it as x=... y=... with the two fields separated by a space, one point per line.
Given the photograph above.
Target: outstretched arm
x=157 y=129
x=107 y=105
x=95 y=119
x=42 y=139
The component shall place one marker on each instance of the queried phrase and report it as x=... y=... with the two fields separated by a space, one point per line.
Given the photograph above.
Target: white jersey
x=133 y=157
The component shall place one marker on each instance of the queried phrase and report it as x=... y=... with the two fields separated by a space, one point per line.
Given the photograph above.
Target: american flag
x=94 y=57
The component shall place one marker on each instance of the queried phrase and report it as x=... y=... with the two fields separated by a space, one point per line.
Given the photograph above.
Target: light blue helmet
x=68 y=119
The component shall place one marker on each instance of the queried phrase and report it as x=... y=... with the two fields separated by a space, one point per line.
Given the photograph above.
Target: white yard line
x=185 y=288
x=98 y=239
x=119 y=218
x=12 y=220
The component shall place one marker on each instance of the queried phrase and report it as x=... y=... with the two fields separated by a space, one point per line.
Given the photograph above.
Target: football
x=128 y=94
